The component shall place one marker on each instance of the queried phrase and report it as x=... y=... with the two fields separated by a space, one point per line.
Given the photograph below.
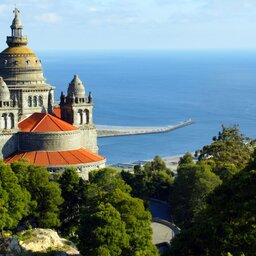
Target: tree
x=108 y=189
x=230 y=146
x=102 y=232
x=186 y=159
x=108 y=180
x=45 y=194
x=154 y=180
x=72 y=190
x=227 y=225
x=191 y=188
x=156 y=165
x=160 y=186
x=14 y=200
x=137 y=222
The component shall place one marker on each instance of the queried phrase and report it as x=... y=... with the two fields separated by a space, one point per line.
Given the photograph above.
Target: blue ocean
x=158 y=88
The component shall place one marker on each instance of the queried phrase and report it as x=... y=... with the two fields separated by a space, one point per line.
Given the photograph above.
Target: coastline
x=170 y=161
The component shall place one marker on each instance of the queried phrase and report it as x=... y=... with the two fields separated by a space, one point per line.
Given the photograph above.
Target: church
x=32 y=126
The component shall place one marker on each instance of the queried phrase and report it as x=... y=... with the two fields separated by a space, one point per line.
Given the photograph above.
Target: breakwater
x=111 y=131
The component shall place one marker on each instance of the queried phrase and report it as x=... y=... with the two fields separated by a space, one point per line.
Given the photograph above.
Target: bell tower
x=76 y=107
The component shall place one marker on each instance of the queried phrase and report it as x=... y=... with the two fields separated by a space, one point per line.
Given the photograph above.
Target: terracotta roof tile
x=43 y=122
x=57 y=112
x=58 y=158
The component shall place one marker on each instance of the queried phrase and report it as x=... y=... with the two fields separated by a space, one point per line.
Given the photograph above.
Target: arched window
x=40 y=101
x=87 y=116
x=34 y=101
x=29 y=101
x=80 y=116
x=10 y=121
x=4 y=121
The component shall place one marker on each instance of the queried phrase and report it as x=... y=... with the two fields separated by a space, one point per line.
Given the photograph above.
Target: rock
x=37 y=241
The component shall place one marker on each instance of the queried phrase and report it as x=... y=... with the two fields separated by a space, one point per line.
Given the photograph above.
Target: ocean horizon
x=159 y=88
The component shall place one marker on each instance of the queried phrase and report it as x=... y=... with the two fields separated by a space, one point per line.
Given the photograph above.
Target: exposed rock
x=34 y=241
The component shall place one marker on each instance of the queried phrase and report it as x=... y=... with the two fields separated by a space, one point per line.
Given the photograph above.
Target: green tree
x=45 y=194
x=102 y=232
x=72 y=190
x=191 y=188
x=227 y=225
x=230 y=146
x=108 y=180
x=160 y=185
x=137 y=222
x=154 y=180
x=186 y=159
x=14 y=200
x=156 y=165
x=107 y=188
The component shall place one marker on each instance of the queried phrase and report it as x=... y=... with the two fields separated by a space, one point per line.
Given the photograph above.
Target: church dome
x=76 y=88
x=4 y=91
x=18 y=64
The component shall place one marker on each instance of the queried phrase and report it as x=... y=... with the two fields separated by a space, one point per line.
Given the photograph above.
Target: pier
x=112 y=131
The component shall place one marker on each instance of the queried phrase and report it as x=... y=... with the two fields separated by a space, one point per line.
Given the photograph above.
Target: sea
x=160 y=88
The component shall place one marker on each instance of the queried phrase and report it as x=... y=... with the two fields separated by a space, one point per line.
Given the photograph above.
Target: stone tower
x=22 y=72
x=76 y=109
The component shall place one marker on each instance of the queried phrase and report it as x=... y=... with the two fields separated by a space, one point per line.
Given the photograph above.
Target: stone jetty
x=111 y=131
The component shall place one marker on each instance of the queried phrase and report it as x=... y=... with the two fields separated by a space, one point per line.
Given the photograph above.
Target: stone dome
x=19 y=65
x=4 y=91
x=76 y=88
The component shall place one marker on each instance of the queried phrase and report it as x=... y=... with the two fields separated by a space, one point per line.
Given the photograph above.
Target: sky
x=133 y=24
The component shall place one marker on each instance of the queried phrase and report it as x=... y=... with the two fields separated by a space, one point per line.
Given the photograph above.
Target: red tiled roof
x=43 y=122
x=57 y=112
x=58 y=158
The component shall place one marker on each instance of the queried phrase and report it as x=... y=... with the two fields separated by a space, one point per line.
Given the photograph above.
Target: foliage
x=230 y=146
x=156 y=165
x=113 y=219
x=45 y=195
x=154 y=180
x=227 y=225
x=136 y=219
x=14 y=200
x=191 y=188
x=72 y=190
x=103 y=231
x=186 y=159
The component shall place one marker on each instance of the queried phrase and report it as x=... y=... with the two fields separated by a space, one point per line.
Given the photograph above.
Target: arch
x=80 y=116
x=87 y=116
x=4 y=121
x=35 y=101
x=29 y=101
x=10 y=121
x=40 y=101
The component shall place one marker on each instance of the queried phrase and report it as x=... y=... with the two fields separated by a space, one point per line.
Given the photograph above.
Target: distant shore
x=170 y=161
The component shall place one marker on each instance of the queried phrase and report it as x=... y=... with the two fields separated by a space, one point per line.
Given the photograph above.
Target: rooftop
x=44 y=122
x=57 y=158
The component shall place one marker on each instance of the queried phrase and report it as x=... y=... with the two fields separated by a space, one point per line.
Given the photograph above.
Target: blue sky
x=133 y=24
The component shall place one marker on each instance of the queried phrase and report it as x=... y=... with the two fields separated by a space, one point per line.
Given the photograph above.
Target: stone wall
x=89 y=138
x=51 y=141
x=8 y=143
x=83 y=170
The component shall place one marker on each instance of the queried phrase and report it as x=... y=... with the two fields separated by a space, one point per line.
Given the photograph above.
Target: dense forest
x=212 y=196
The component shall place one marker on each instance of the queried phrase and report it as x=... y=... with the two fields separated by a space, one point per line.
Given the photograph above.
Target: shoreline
x=170 y=161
